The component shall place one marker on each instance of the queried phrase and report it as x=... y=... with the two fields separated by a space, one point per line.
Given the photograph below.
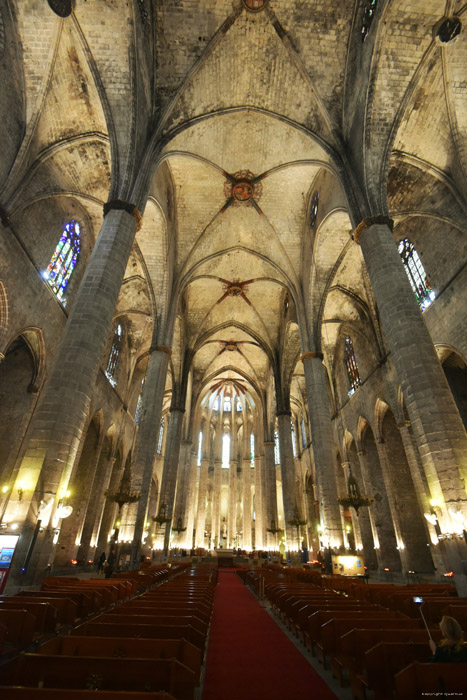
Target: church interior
x=233 y=294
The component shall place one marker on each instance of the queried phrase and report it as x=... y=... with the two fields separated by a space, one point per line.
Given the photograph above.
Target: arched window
x=416 y=274
x=200 y=447
x=239 y=405
x=303 y=431
x=161 y=436
x=111 y=368
x=369 y=13
x=252 y=450
x=294 y=444
x=139 y=404
x=277 y=454
x=63 y=260
x=314 y=208
x=215 y=406
x=227 y=403
x=351 y=364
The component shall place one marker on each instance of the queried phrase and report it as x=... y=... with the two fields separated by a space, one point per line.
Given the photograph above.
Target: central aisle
x=249 y=657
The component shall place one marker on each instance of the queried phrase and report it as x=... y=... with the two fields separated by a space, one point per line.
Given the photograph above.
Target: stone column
x=109 y=509
x=322 y=445
x=382 y=524
x=193 y=479
x=217 y=484
x=203 y=487
x=232 y=517
x=288 y=478
x=180 y=510
x=147 y=437
x=170 y=470
x=421 y=491
x=272 y=520
x=64 y=404
x=95 y=509
x=437 y=426
x=246 y=483
x=259 y=543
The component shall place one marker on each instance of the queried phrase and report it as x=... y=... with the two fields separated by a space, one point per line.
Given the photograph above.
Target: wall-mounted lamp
x=5 y=489
x=20 y=493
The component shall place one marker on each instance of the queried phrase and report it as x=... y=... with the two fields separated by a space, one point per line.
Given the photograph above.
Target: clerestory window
x=351 y=365
x=63 y=261
x=111 y=369
x=423 y=291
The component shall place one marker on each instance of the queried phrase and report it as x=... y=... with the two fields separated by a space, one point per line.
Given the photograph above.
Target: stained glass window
x=277 y=454
x=63 y=260
x=111 y=368
x=200 y=447
x=139 y=405
x=294 y=444
x=227 y=403
x=302 y=428
x=252 y=450
x=215 y=406
x=314 y=208
x=161 y=436
x=369 y=13
x=239 y=405
x=351 y=364
x=416 y=274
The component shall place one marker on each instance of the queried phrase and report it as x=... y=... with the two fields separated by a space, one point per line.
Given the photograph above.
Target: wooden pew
x=67 y=609
x=95 y=599
x=133 y=618
x=146 y=631
x=21 y=693
x=82 y=599
x=84 y=672
x=441 y=679
x=381 y=664
x=315 y=622
x=332 y=630
x=138 y=608
x=124 y=648
x=20 y=626
x=45 y=614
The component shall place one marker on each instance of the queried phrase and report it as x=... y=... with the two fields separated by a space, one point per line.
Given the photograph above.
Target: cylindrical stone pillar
x=58 y=423
x=147 y=437
x=271 y=494
x=170 y=471
x=435 y=420
x=291 y=511
x=322 y=445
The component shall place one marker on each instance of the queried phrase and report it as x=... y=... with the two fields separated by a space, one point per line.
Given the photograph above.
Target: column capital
x=345 y=464
x=403 y=424
x=2 y=356
x=160 y=348
x=268 y=443
x=379 y=219
x=380 y=441
x=311 y=354
x=121 y=205
x=361 y=453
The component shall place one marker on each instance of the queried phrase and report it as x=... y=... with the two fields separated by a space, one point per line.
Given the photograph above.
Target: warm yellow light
x=434 y=502
x=5 y=489
x=348 y=528
x=117 y=523
x=67 y=494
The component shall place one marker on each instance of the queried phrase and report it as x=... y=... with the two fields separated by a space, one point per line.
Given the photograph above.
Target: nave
x=197 y=633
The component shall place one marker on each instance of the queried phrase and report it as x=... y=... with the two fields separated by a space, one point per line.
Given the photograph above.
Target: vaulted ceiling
x=240 y=116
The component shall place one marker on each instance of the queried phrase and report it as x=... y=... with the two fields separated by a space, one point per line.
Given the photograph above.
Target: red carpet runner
x=249 y=657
